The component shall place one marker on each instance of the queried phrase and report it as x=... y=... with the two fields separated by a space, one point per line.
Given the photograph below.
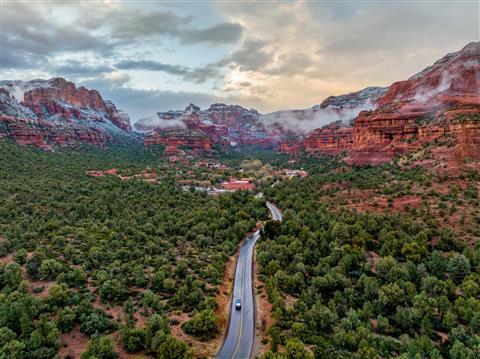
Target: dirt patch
x=373 y=258
x=200 y=349
x=117 y=312
x=290 y=301
x=224 y=293
x=39 y=284
x=7 y=259
x=264 y=319
x=73 y=343
x=141 y=319
x=443 y=336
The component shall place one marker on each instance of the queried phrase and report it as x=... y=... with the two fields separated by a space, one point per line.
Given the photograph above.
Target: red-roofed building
x=238 y=185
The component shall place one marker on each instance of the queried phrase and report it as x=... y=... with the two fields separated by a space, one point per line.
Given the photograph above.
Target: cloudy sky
x=151 y=56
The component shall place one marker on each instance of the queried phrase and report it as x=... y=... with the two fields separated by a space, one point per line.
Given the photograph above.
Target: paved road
x=241 y=330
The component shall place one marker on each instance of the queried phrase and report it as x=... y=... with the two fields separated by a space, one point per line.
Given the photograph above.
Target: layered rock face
x=55 y=112
x=335 y=137
x=442 y=100
x=329 y=140
x=177 y=140
x=225 y=125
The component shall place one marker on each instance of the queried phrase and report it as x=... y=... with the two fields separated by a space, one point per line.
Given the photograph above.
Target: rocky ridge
x=224 y=125
x=55 y=112
x=233 y=125
x=440 y=102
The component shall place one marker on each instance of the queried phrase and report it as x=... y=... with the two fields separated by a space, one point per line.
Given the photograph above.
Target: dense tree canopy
x=349 y=283
x=151 y=248
x=344 y=280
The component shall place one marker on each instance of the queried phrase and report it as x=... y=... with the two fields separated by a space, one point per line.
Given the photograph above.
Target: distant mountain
x=55 y=112
x=233 y=125
x=225 y=125
x=333 y=109
x=372 y=125
x=440 y=103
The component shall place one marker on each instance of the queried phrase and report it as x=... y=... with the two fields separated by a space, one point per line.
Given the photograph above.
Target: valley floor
x=382 y=261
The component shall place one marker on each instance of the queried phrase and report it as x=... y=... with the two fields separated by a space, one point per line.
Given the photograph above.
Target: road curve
x=240 y=336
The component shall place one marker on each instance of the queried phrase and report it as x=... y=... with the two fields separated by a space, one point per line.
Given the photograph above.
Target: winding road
x=241 y=329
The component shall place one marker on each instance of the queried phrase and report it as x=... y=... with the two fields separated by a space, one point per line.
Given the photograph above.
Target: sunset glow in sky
x=147 y=56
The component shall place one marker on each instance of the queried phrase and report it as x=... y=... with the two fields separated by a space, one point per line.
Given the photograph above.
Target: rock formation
x=178 y=140
x=442 y=101
x=55 y=112
x=329 y=140
x=225 y=125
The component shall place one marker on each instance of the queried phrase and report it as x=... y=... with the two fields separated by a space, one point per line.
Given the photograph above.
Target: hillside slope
x=440 y=103
x=55 y=112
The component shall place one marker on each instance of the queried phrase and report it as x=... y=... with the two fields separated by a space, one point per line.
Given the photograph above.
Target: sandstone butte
x=224 y=125
x=47 y=112
x=177 y=140
x=442 y=101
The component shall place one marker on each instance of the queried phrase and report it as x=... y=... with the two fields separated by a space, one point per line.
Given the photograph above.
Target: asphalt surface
x=241 y=330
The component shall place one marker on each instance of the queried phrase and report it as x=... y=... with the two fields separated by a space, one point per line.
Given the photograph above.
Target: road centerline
x=240 y=336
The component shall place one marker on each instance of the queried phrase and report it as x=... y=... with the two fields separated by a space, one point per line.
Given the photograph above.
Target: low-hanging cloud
x=154 y=122
x=305 y=121
x=423 y=94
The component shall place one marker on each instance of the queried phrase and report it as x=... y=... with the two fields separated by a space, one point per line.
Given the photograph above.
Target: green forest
x=99 y=243
x=118 y=261
x=352 y=284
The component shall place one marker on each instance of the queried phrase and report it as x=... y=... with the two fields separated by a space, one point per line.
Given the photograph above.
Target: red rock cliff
x=177 y=140
x=442 y=101
x=48 y=112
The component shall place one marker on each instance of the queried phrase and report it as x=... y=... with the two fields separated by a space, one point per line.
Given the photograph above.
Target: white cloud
x=118 y=77
x=275 y=55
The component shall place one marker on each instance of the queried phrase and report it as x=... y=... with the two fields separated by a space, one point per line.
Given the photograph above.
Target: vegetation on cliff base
x=346 y=281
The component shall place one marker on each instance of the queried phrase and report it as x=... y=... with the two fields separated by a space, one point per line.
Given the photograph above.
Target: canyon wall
x=442 y=101
x=176 y=141
x=52 y=112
